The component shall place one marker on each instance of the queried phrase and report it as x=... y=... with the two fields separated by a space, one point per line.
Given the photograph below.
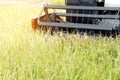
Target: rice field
x=29 y=55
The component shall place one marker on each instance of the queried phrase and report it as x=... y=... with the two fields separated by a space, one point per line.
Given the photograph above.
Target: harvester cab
x=100 y=15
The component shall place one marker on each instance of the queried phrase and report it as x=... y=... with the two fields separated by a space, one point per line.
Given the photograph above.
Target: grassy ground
x=25 y=55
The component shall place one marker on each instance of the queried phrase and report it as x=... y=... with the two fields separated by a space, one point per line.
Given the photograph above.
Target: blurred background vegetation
x=55 y=2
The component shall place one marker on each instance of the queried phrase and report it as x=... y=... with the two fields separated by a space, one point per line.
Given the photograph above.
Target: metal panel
x=89 y=15
x=112 y=3
x=83 y=8
x=82 y=2
x=75 y=25
x=72 y=2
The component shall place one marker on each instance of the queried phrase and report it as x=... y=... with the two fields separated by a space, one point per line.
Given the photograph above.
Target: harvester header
x=80 y=14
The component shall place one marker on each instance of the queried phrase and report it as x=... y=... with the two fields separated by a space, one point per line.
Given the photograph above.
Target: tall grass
x=28 y=55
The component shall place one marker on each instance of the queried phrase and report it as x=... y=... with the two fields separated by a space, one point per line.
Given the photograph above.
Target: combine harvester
x=81 y=15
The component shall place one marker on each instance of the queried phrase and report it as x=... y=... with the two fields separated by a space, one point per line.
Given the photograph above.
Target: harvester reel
x=80 y=15
x=47 y=18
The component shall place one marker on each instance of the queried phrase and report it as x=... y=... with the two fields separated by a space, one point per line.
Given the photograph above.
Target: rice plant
x=29 y=55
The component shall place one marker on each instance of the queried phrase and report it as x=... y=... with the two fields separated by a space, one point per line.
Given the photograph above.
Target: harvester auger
x=96 y=15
